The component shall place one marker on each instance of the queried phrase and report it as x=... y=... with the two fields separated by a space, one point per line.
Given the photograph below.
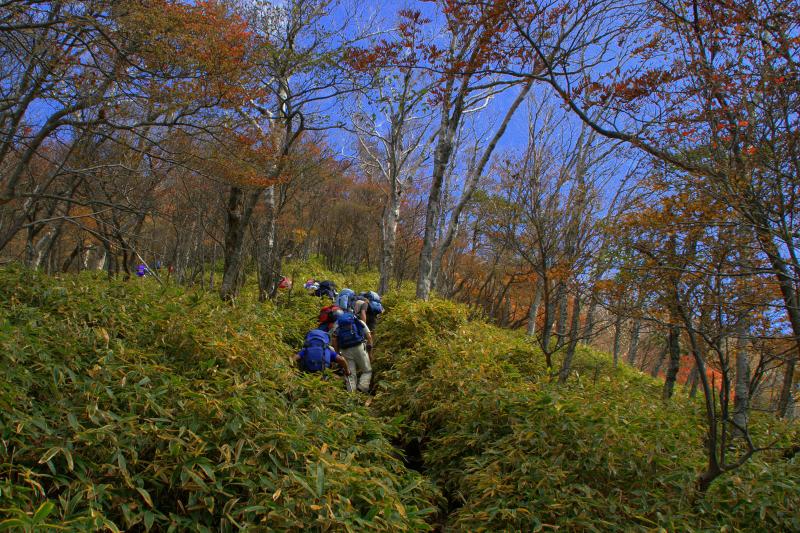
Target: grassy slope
x=130 y=406
x=512 y=451
x=136 y=405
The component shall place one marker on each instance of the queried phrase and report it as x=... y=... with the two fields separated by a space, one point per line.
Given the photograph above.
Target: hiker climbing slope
x=317 y=354
x=348 y=338
x=367 y=307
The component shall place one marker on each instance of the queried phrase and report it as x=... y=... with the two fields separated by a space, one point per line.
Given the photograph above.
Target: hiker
x=348 y=337
x=317 y=354
x=328 y=316
x=367 y=307
x=326 y=288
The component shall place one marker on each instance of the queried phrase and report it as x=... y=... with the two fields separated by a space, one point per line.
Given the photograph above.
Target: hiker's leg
x=364 y=369
x=350 y=381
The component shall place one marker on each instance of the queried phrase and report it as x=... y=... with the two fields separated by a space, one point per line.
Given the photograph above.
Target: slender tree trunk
x=110 y=257
x=741 y=400
x=590 y=317
x=547 y=327
x=660 y=361
x=561 y=323
x=693 y=380
x=786 y=399
x=391 y=217
x=76 y=251
x=30 y=251
x=674 y=365
x=534 y=311
x=213 y=268
x=441 y=159
x=617 y=338
x=635 y=331
x=474 y=176
x=574 y=335
x=46 y=248
x=266 y=248
x=431 y=216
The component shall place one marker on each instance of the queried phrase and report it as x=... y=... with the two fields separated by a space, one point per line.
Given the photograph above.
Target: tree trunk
x=786 y=399
x=693 y=380
x=72 y=256
x=660 y=361
x=674 y=361
x=741 y=400
x=444 y=150
x=213 y=268
x=590 y=316
x=266 y=249
x=391 y=215
x=110 y=258
x=574 y=334
x=617 y=338
x=534 y=311
x=46 y=248
x=431 y=217
x=474 y=175
x=239 y=211
x=561 y=323
x=547 y=327
x=635 y=331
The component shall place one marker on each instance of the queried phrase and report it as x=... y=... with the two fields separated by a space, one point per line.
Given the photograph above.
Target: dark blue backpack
x=326 y=288
x=374 y=300
x=349 y=331
x=315 y=355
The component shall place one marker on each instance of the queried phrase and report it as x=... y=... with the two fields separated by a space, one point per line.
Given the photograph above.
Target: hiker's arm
x=335 y=344
x=343 y=364
x=368 y=336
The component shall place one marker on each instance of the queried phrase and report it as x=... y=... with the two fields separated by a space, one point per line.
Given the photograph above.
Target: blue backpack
x=374 y=300
x=349 y=331
x=346 y=299
x=316 y=355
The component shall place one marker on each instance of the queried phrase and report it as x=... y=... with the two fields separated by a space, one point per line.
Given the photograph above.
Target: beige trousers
x=358 y=362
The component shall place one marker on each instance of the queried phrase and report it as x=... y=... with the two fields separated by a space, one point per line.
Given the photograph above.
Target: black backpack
x=326 y=288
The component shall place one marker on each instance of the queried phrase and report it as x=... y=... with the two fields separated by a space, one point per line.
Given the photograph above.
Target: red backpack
x=328 y=314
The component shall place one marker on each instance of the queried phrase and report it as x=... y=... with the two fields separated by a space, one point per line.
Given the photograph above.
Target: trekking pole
x=347 y=384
